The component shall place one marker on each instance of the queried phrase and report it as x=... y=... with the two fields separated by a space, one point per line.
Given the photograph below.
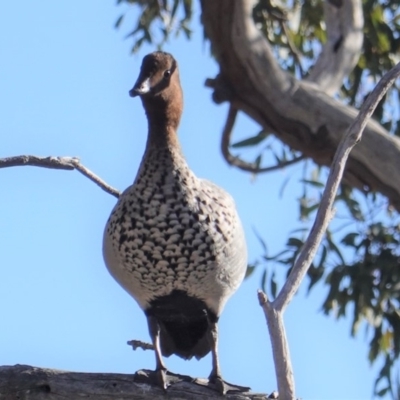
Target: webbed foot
x=224 y=387
x=160 y=377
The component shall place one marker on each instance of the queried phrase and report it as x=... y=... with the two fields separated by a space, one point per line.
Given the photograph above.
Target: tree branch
x=344 y=27
x=45 y=162
x=280 y=348
x=297 y=112
x=66 y=163
x=23 y=382
x=325 y=210
x=237 y=161
x=274 y=310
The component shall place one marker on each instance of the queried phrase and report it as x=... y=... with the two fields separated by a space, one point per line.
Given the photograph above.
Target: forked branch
x=344 y=28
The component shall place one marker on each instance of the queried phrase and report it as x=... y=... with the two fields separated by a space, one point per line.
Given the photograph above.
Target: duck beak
x=142 y=86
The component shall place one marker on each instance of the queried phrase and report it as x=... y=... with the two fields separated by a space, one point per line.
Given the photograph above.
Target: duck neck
x=163 y=120
x=162 y=140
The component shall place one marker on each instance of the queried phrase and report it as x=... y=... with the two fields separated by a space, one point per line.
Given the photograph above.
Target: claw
x=224 y=387
x=161 y=378
x=219 y=383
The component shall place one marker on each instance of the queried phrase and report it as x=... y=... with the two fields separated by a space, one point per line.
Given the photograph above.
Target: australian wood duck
x=173 y=241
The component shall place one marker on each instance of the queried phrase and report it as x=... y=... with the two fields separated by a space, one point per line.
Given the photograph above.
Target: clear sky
x=64 y=80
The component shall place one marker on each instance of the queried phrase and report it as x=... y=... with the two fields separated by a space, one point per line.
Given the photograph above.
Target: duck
x=174 y=241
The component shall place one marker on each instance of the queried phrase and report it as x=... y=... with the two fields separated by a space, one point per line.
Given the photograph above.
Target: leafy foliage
x=158 y=20
x=359 y=263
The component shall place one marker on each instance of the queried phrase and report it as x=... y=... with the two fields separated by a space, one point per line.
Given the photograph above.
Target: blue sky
x=65 y=76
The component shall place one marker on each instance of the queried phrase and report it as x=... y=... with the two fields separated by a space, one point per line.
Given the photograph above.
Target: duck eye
x=167 y=73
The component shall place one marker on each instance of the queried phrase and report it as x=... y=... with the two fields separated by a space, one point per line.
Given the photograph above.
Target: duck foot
x=164 y=379
x=161 y=378
x=218 y=384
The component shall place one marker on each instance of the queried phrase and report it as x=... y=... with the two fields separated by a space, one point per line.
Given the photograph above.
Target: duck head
x=159 y=88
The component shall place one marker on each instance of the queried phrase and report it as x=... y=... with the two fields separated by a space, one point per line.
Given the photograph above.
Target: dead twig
x=66 y=163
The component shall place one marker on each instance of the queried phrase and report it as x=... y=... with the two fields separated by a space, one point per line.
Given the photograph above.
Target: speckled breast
x=169 y=231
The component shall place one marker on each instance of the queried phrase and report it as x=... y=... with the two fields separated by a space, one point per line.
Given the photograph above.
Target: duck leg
x=215 y=376
x=161 y=370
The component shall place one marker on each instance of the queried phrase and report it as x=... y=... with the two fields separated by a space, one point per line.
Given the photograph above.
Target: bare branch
x=274 y=310
x=280 y=348
x=66 y=163
x=324 y=213
x=237 y=161
x=94 y=178
x=45 y=162
x=297 y=112
x=344 y=27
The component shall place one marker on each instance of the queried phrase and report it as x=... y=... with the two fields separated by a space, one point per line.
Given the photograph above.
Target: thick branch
x=301 y=115
x=22 y=382
x=66 y=163
x=344 y=27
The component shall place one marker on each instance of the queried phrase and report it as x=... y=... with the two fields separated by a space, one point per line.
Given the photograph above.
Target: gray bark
x=23 y=382
x=344 y=28
x=299 y=113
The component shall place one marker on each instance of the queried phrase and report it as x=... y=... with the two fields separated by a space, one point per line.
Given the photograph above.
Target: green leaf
x=187 y=31
x=374 y=345
x=252 y=141
x=383 y=391
x=257 y=161
x=187 y=7
x=277 y=256
x=384 y=373
x=118 y=21
x=261 y=240
x=315 y=274
x=283 y=186
x=263 y=280
x=307 y=210
x=273 y=285
x=249 y=271
x=335 y=249
x=349 y=239
x=294 y=242
x=386 y=342
x=313 y=183
x=173 y=12
x=323 y=257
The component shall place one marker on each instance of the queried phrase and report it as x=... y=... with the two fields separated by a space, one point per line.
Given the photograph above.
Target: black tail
x=184 y=324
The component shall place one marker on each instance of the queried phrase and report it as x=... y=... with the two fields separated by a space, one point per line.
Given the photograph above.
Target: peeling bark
x=299 y=113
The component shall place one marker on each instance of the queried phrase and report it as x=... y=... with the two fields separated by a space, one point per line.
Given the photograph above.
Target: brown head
x=160 y=90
